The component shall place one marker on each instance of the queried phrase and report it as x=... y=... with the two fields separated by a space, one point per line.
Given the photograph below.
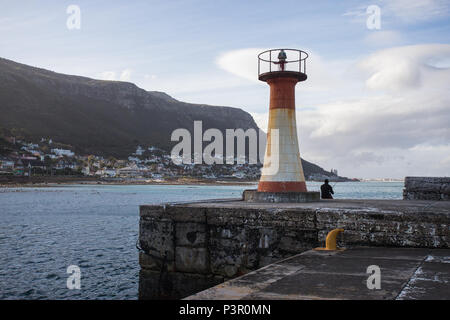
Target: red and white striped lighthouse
x=282 y=69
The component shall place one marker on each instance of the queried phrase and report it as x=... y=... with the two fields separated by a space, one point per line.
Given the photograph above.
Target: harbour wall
x=186 y=248
x=427 y=188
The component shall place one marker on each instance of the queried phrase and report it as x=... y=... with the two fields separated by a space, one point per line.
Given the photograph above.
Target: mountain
x=100 y=117
x=108 y=118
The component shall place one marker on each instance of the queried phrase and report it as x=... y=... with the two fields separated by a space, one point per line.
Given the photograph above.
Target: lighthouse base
x=280 y=197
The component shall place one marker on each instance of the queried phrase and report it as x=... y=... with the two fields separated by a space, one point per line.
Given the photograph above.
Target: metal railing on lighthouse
x=274 y=62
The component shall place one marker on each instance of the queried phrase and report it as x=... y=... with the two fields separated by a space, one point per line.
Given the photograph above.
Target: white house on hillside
x=63 y=152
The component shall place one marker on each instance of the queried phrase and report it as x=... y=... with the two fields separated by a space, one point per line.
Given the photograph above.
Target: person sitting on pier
x=326 y=190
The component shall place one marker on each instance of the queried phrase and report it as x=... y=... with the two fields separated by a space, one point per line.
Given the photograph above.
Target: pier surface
x=411 y=206
x=405 y=273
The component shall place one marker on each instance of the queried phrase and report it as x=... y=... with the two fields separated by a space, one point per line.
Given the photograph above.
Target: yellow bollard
x=330 y=242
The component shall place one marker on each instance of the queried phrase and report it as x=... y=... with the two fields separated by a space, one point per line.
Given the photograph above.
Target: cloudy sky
x=376 y=103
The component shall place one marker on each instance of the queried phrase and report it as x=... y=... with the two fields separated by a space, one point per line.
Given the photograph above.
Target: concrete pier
x=186 y=248
x=427 y=188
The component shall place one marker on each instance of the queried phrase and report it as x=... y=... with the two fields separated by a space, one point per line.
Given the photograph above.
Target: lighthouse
x=282 y=178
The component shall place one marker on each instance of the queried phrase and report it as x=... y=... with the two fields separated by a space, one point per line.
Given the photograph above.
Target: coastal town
x=45 y=158
x=48 y=158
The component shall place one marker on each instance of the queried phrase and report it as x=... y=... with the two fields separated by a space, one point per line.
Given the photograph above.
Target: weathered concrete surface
x=406 y=273
x=427 y=188
x=218 y=240
x=283 y=197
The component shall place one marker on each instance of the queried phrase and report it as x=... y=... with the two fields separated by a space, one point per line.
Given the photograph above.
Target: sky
x=376 y=103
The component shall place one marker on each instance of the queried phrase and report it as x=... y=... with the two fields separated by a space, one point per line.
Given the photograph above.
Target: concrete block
x=238 y=216
x=151 y=211
x=180 y=213
x=149 y=262
x=156 y=237
x=226 y=252
x=192 y=260
x=190 y=234
x=294 y=241
x=236 y=232
x=426 y=188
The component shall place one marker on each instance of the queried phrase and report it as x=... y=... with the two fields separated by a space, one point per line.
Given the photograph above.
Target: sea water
x=95 y=227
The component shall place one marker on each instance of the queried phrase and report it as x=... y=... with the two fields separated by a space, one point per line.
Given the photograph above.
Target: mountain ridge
x=40 y=101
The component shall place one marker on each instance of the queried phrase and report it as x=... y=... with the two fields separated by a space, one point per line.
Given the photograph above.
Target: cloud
x=125 y=75
x=191 y=83
x=404 y=11
x=107 y=75
x=242 y=63
x=416 y=10
x=383 y=38
x=364 y=157
x=445 y=161
x=409 y=67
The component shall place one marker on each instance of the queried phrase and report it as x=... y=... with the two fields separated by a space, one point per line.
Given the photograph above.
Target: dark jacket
x=326 y=191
